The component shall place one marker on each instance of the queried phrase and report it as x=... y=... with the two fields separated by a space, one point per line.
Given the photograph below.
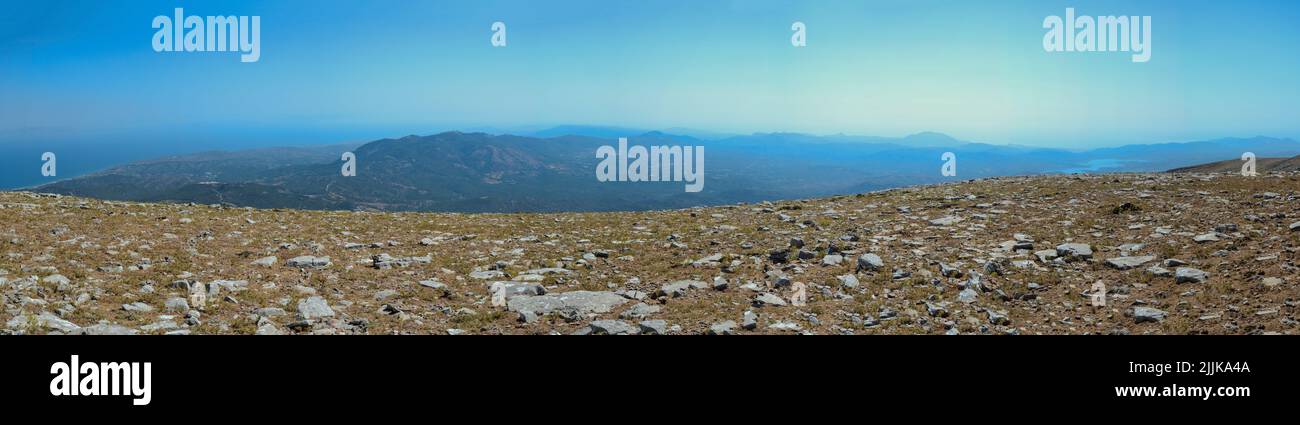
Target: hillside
x=480 y=172
x=1262 y=165
x=1178 y=253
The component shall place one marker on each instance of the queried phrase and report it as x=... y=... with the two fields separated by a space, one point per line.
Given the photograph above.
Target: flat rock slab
x=308 y=262
x=513 y=289
x=945 y=221
x=577 y=303
x=613 y=327
x=1125 y=263
x=1148 y=314
x=1074 y=251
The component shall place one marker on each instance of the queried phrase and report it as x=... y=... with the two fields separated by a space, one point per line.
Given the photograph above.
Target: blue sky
x=355 y=70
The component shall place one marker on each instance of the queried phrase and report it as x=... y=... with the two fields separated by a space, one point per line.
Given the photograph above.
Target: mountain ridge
x=483 y=172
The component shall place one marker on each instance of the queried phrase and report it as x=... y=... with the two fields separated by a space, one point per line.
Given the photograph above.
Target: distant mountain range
x=554 y=170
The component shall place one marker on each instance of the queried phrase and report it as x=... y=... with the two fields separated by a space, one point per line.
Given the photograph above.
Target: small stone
x=722 y=328
x=653 y=327
x=998 y=318
x=945 y=221
x=270 y=312
x=433 y=284
x=1074 y=251
x=177 y=304
x=612 y=327
x=785 y=326
x=138 y=307
x=968 y=295
x=265 y=261
x=779 y=255
x=766 y=299
x=678 y=288
x=749 y=321
x=384 y=295
x=1158 y=271
x=1125 y=263
x=308 y=262
x=1190 y=275
x=946 y=270
x=936 y=310
x=268 y=328
x=1148 y=314
x=640 y=311
x=106 y=329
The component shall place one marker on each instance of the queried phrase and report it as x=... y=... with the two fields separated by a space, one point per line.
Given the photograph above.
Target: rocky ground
x=1177 y=254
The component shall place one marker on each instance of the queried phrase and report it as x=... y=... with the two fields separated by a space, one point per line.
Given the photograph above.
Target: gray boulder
x=749 y=320
x=177 y=304
x=870 y=262
x=314 y=308
x=848 y=281
x=1190 y=275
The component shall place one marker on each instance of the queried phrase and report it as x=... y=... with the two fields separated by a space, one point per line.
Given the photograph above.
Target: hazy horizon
x=331 y=73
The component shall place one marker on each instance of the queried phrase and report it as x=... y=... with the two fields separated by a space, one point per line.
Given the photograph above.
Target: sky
x=333 y=71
